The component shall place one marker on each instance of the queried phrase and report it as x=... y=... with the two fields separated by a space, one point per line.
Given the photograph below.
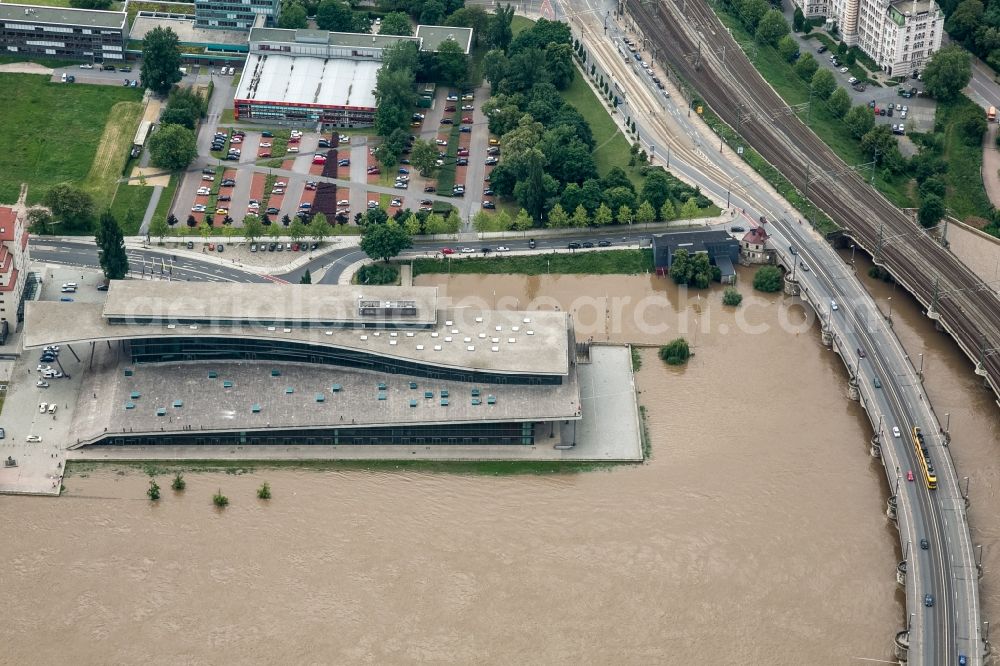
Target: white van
x=52 y=408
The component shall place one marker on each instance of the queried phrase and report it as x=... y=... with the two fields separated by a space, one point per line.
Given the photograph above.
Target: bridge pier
x=902 y=645
x=792 y=287
x=875 y=448
x=890 y=509
x=852 y=389
x=827 y=336
x=901 y=574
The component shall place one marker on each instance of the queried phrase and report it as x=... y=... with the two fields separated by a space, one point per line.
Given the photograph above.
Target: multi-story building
x=60 y=32
x=814 y=8
x=235 y=14
x=13 y=264
x=899 y=35
x=315 y=77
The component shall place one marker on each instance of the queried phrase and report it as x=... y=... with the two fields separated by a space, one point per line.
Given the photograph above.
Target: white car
x=293 y=149
x=55 y=348
x=343 y=138
x=467 y=250
x=852 y=80
x=86 y=65
x=845 y=70
x=281 y=183
x=453 y=98
x=895 y=431
x=198 y=208
x=503 y=248
x=44 y=368
x=441 y=142
x=343 y=202
x=203 y=191
x=41 y=383
x=396 y=202
x=265 y=144
x=833 y=305
x=42 y=406
x=33 y=438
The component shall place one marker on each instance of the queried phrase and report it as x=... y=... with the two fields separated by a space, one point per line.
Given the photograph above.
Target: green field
x=612 y=262
x=166 y=198
x=966 y=195
x=51 y=134
x=130 y=205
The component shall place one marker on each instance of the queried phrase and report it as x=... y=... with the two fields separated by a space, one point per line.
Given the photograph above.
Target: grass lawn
x=613 y=262
x=519 y=24
x=167 y=198
x=44 y=62
x=611 y=147
x=52 y=132
x=115 y=143
x=966 y=195
x=827 y=127
x=130 y=205
x=228 y=117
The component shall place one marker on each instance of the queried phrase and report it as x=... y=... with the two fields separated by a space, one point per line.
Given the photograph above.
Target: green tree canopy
x=111 y=247
x=172 y=147
x=158 y=227
x=948 y=72
x=451 y=63
x=772 y=27
x=423 y=155
x=319 y=227
x=859 y=121
x=71 y=207
x=293 y=17
x=931 y=211
x=675 y=352
x=499 y=32
x=806 y=66
x=396 y=23
x=253 y=228
x=823 y=84
x=839 y=102
x=768 y=279
x=788 y=48
x=161 y=60
x=384 y=241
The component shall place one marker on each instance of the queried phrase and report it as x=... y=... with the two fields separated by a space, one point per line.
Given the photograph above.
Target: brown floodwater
x=756 y=534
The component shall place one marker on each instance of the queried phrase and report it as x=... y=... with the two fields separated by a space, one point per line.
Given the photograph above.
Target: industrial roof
x=324 y=82
x=358 y=39
x=517 y=343
x=62 y=16
x=432 y=36
x=187 y=32
x=180 y=302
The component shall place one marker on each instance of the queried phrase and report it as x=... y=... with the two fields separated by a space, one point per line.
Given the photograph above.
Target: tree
x=454 y=222
x=603 y=216
x=161 y=60
x=558 y=217
x=503 y=221
x=667 y=211
x=111 y=247
x=971 y=123
x=798 y=19
x=158 y=228
x=192 y=222
x=676 y=352
x=432 y=13
x=319 y=227
x=689 y=209
x=560 y=65
x=878 y=142
x=306 y=278
x=495 y=68
x=423 y=155
x=297 y=229
x=253 y=228
x=40 y=220
x=932 y=185
x=767 y=279
x=205 y=229
x=771 y=28
x=384 y=241
x=185 y=117
x=499 y=32
x=293 y=17
x=624 y=214
x=646 y=213
x=580 y=217
x=396 y=23
x=947 y=72
x=335 y=16
x=172 y=147
x=412 y=224
x=178 y=483
x=963 y=21
x=931 y=211
x=71 y=207
x=451 y=63
x=859 y=121
x=264 y=492
x=839 y=102
x=752 y=11
x=806 y=67
x=90 y=4
x=731 y=297
x=788 y=48
x=154 y=490
x=823 y=83
x=470 y=17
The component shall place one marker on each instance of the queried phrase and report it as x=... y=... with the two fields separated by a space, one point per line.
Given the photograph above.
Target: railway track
x=965 y=307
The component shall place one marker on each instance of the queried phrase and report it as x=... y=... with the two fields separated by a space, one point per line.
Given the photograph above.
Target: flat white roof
x=309 y=80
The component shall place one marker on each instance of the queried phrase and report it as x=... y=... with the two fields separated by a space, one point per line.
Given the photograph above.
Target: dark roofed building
x=722 y=249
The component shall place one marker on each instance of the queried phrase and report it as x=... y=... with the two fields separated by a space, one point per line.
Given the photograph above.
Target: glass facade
x=173 y=349
x=233 y=14
x=509 y=434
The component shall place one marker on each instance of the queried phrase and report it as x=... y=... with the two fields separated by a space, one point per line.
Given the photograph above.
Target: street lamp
x=852 y=259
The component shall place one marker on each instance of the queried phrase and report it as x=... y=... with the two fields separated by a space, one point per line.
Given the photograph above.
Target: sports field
x=55 y=132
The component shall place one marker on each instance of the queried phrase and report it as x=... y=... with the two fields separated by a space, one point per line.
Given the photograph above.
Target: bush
x=732 y=297
x=154 y=490
x=264 y=492
x=767 y=279
x=378 y=274
x=675 y=352
x=220 y=500
x=178 y=483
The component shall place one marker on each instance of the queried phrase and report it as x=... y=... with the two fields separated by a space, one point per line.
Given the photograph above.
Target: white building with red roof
x=753 y=247
x=13 y=262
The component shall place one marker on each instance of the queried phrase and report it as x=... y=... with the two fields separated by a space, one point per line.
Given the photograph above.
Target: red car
x=319 y=159
x=447 y=250
x=909 y=475
x=467 y=119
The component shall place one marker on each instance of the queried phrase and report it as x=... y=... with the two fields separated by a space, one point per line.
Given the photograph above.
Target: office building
x=235 y=14
x=899 y=36
x=61 y=32
x=13 y=264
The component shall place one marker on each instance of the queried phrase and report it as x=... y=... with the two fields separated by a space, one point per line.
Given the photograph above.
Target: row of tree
x=976 y=25
x=174 y=143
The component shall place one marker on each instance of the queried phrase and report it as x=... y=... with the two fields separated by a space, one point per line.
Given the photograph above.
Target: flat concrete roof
x=206 y=404
x=526 y=342
x=309 y=80
x=355 y=39
x=432 y=36
x=908 y=7
x=187 y=31
x=93 y=18
x=185 y=301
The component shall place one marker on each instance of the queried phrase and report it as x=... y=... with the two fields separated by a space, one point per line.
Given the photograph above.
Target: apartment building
x=13 y=263
x=61 y=32
x=899 y=35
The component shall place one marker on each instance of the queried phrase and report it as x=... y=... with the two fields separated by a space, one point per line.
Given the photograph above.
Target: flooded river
x=756 y=534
